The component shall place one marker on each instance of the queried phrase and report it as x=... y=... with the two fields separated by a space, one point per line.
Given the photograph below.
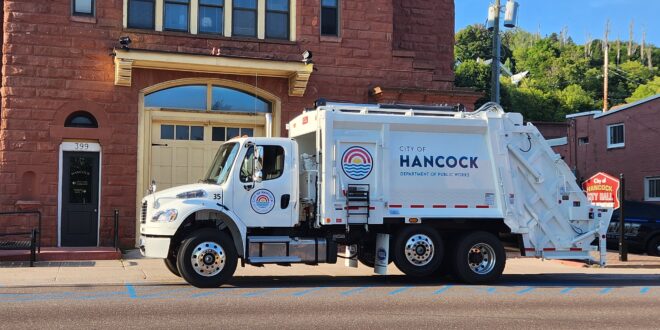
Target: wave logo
x=262 y=201
x=356 y=163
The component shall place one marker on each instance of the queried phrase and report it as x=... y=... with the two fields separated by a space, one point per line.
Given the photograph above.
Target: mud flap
x=382 y=253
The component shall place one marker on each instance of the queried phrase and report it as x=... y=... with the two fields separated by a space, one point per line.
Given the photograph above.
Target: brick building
x=87 y=121
x=621 y=140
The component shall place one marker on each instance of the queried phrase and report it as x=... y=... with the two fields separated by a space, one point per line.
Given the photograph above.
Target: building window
x=81 y=119
x=330 y=17
x=83 y=7
x=175 y=15
x=652 y=189
x=277 y=19
x=583 y=140
x=615 y=136
x=141 y=14
x=244 y=20
x=194 y=97
x=211 y=14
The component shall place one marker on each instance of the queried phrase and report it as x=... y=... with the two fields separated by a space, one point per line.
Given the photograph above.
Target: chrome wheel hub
x=419 y=250
x=481 y=258
x=208 y=259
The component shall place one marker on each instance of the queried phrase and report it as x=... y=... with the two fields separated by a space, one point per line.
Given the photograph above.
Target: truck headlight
x=192 y=194
x=165 y=216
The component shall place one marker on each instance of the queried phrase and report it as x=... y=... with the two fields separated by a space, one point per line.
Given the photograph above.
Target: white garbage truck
x=431 y=189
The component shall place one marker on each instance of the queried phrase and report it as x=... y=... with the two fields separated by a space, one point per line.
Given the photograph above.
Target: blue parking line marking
x=644 y=290
x=159 y=294
x=131 y=291
x=491 y=290
x=304 y=292
x=259 y=293
x=399 y=290
x=523 y=291
x=605 y=291
x=211 y=292
x=442 y=289
x=566 y=290
x=352 y=291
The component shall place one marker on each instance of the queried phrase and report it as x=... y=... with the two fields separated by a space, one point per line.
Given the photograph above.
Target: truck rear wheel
x=207 y=258
x=418 y=250
x=479 y=258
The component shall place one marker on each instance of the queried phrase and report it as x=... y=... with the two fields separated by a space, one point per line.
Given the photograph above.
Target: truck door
x=269 y=203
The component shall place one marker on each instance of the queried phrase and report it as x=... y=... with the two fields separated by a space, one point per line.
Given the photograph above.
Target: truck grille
x=143 y=215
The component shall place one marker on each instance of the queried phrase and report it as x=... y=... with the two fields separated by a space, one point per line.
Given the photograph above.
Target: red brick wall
x=638 y=159
x=55 y=64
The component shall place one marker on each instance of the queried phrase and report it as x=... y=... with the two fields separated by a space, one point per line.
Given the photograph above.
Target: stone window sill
x=330 y=39
x=83 y=19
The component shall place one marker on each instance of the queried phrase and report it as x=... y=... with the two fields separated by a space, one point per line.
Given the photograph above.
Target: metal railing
x=38 y=213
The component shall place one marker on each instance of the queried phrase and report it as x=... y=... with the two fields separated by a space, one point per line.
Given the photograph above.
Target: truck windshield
x=221 y=166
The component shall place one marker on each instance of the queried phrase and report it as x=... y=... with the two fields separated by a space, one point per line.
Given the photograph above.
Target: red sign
x=602 y=190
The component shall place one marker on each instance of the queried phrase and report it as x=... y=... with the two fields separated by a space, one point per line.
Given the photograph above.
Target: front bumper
x=154 y=246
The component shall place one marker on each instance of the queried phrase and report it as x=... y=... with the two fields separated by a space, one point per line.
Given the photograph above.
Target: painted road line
x=131 y=291
x=644 y=290
x=259 y=293
x=352 y=291
x=566 y=290
x=442 y=289
x=526 y=290
x=160 y=294
x=211 y=292
x=304 y=292
x=605 y=291
x=399 y=290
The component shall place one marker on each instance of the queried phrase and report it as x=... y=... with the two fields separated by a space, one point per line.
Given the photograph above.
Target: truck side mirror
x=257 y=164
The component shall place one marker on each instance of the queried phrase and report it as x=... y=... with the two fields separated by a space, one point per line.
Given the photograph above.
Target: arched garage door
x=189 y=123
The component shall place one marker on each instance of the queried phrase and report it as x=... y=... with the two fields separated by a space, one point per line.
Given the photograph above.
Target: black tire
x=366 y=256
x=653 y=248
x=428 y=260
x=217 y=245
x=170 y=264
x=463 y=258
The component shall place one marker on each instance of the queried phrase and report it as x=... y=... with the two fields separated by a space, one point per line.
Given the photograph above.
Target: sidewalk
x=134 y=269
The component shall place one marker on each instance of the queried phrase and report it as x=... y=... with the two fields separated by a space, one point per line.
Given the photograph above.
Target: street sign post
x=607 y=191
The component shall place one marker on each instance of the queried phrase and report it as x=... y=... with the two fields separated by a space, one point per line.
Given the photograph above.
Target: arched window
x=194 y=97
x=81 y=119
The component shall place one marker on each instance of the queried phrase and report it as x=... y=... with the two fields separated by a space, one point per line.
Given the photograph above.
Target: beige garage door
x=181 y=153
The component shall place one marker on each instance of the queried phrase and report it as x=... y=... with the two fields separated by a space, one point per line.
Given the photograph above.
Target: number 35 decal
x=217 y=196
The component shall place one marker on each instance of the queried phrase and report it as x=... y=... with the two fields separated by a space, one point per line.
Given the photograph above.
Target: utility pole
x=606 y=50
x=495 y=64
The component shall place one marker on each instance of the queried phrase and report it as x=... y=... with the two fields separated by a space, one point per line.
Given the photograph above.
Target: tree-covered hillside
x=563 y=77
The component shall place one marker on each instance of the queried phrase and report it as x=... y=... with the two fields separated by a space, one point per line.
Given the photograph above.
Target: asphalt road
x=547 y=301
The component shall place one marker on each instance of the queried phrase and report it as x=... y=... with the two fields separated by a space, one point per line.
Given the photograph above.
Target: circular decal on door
x=262 y=201
x=356 y=162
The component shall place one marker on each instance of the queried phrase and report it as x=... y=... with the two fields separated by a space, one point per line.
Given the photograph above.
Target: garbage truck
x=431 y=189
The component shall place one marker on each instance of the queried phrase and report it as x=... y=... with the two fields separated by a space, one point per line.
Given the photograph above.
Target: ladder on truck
x=357 y=202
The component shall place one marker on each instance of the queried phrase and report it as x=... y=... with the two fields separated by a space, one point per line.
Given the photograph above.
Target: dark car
x=642 y=228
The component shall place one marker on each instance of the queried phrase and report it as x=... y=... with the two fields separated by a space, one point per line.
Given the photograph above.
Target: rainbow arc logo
x=357 y=163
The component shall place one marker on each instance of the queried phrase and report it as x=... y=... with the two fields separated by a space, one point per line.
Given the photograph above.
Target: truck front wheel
x=207 y=258
x=170 y=263
x=418 y=250
x=480 y=258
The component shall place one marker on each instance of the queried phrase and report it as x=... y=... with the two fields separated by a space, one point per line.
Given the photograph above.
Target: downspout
x=269 y=125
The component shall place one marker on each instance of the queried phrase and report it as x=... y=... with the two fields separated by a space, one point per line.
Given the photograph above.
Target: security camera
x=307 y=57
x=125 y=41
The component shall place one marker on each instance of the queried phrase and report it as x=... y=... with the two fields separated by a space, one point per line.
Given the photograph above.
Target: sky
x=579 y=16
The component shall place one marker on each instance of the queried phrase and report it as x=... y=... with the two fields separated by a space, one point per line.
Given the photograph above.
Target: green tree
x=575 y=99
x=473 y=42
x=475 y=75
x=646 y=90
